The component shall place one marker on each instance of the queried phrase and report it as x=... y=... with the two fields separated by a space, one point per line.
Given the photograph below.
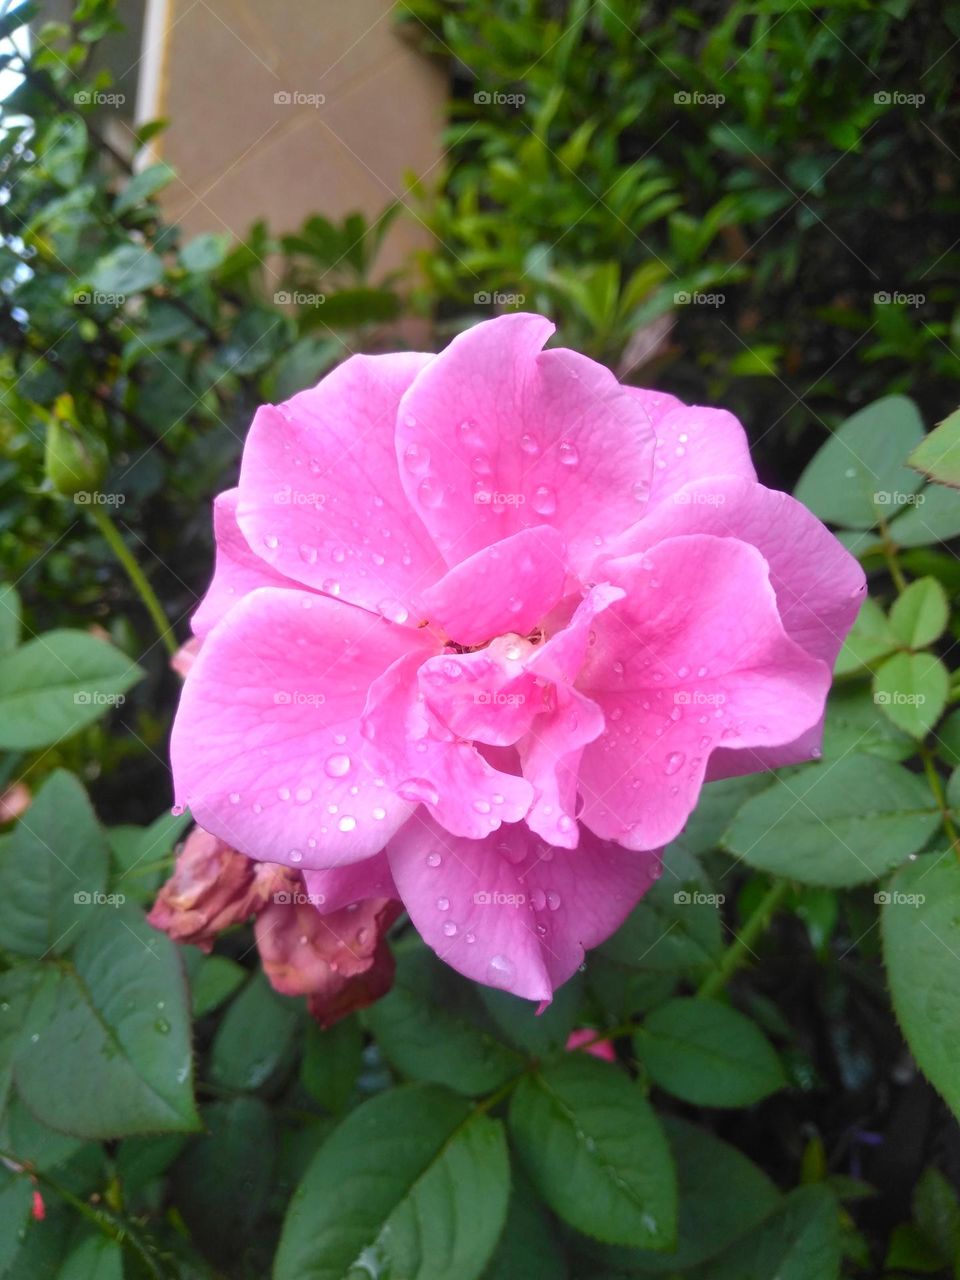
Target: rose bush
x=481 y=626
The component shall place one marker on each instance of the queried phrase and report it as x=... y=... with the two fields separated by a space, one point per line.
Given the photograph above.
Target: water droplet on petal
x=284 y=793
x=337 y=766
x=443 y=904
x=271 y=541
x=673 y=762
x=430 y=493
x=529 y=444
x=417 y=790
x=295 y=855
x=416 y=458
x=393 y=611
x=500 y=972
x=538 y=899
x=308 y=553
x=347 y=823
x=379 y=813
x=544 y=500
x=449 y=928
x=234 y=797
x=302 y=795
x=482 y=806
x=433 y=859
x=553 y=901
x=569 y=456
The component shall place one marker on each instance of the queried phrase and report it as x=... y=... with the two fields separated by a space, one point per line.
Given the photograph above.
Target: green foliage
x=178 y=1117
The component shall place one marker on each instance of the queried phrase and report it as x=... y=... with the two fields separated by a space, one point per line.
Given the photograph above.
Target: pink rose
x=212 y=888
x=481 y=626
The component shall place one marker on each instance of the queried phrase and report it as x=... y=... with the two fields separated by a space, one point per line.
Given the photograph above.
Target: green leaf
x=414 y=1183
x=676 y=927
x=937 y=1214
x=911 y=690
x=853 y=478
x=855 y=723
x=530 y=1031
x=129 y=269
x=921 y=948
x=920 y=615
x=799 y=1241
x=256 y=1037
x=723 y=1195
x=142 y=186
x=10 y=615
x=214 y=980
x=16 y=1197
x=112 y=1054
x=838 y=823
x=938 y=455
x=206 y=252
x=222 y=1181
x=709 y=1054
x=96 y=1258
x=529 y=1246
x=331 y=1063
x=56 y=684
x=932 y=516
x=53 y=871
x=431 y=1026
x=596 y=1153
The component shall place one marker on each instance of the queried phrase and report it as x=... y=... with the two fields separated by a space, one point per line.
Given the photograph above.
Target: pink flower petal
x=266 y=746
x=485 y=696
x=423 y=760
x=693 y=441
x=320 y=496
x=694 y=656
x=550 y=756
x=496 y=435
x=238 y=570
x=510 y=911
x=338 y=887
x=507 y=587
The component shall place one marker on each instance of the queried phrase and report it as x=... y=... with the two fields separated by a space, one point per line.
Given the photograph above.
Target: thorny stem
x=736 y=954
x=136 y=575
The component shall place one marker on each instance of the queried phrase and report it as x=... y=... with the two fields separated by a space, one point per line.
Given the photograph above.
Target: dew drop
x=234 y=797
x=418 y=789
x=529 y=444
x=416 y=458
x=544 y=500
x=553 y=901
x=302 y=795
x=449 y=928
x=433 y=859
x=470 y=434
x=569 y=456
x=443 y=904
x=347 y=823
x=271 y=541
x=393 y=611
x=482 y=806
x=430 y=493
x=308 y=553
x=337 y=766
x=673 y=762
x=330 y=586
x=538 y=900
x=283 y=793
x=295 y=855
x=500 y=971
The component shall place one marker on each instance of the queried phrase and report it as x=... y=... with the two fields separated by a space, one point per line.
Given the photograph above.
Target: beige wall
x=217 y=70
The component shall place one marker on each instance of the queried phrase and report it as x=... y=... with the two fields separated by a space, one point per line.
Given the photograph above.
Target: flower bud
x=76 y=462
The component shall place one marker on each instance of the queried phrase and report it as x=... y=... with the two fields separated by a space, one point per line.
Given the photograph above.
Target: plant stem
x=890 y=556
x=936 y=786
x=136 y=575
x=736 y=954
